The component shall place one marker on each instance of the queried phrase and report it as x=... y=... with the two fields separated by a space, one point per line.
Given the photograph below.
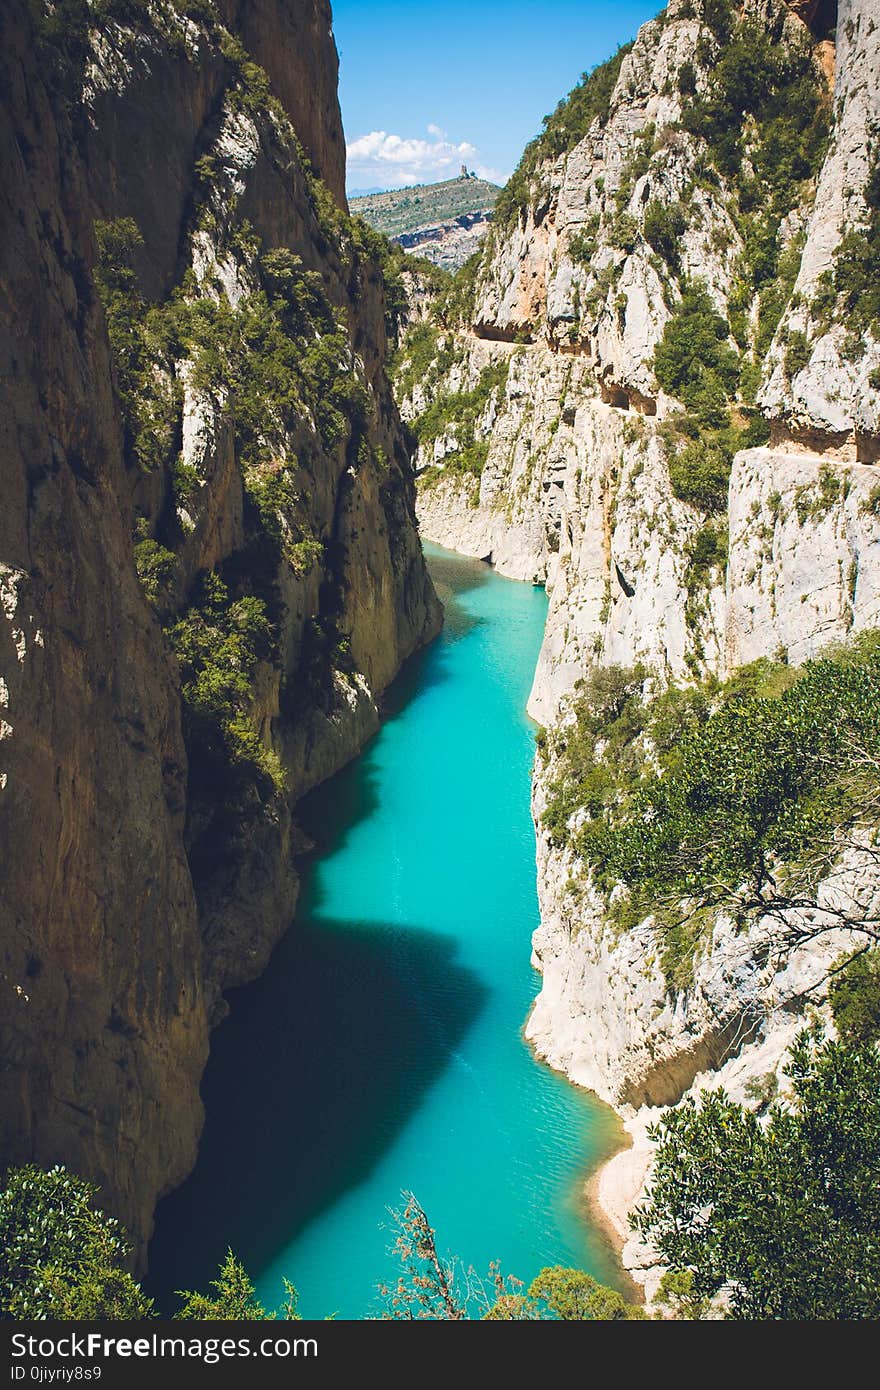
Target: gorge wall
x=209 y=563
x=689 y=535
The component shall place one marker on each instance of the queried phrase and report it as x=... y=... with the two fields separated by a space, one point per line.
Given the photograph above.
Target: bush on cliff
x=854 y=996
x=779 y=1218
x=220 y=642
x=694 y=360
x=59 y=1256
x=739 y=795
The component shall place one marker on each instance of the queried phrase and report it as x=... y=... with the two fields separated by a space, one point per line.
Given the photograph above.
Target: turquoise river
x=383 y=1050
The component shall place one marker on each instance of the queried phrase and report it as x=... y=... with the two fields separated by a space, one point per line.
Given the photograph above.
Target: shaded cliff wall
x=147 y=836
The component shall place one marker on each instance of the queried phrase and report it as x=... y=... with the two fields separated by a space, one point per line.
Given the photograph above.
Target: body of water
x=383 y=1049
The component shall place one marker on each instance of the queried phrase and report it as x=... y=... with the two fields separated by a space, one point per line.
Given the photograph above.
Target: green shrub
x=854 y=995
x=663 y=227
x=797 y=352
x=694 y=361
x=156 y=566
x=706 y=552
x=149 y=395
x=185 y=483
x=219 y=642
x=749 y=380
x=687 y=79
x=871 y=504
x=571 y=1295
x=856 y=274
x=700 y=473
x=234 y=1298
x=624 y=232
x=582 y=245
x=59 y=1256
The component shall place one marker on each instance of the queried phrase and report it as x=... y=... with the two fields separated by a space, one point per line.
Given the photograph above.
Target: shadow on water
x=308 y=1084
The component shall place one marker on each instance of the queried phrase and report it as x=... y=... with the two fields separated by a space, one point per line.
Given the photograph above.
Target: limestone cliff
x=209 y=564
x=563 y=438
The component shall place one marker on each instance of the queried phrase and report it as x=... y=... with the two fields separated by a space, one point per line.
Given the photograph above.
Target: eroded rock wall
x=576 y=491
x=134 y=891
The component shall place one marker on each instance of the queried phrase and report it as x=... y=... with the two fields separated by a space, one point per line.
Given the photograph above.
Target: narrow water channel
x=383 y=1050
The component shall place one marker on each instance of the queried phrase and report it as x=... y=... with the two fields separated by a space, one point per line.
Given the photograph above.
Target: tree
x=854 y=995
x=767 y=807
x=234 y=1298
x=428 y=1286
x=676 y=1292
x=574 y=1296
x=780 y=1219
x=59 y=1256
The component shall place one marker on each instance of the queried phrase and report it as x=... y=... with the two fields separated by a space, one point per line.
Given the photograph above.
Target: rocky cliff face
x=448 y=244
x=832 y=401
x=556 y=451
x=209 y=565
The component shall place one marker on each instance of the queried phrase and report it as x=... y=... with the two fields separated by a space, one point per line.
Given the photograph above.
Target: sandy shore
x=614 y=1189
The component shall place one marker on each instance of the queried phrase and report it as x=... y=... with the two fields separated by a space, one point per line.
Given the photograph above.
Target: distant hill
x=444 y=222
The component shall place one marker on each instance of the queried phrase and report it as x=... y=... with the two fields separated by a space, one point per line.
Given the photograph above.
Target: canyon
x=230 y=411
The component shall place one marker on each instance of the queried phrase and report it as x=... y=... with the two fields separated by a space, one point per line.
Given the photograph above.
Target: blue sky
x=426 y=87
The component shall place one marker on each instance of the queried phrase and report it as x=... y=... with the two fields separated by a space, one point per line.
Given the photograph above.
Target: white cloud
x=393 y=161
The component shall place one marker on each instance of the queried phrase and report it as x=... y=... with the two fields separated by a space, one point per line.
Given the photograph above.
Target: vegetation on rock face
x=694 y=360
x=778 y=1217
x=764 y=109
x=712 y=796
x=695 y=363
x=456 y=301
x=463 y=412
x=219 y=643
x=765 y=116
x=149 y=393
x=279 y=362
x=663 y=226
x=275 y=360
x=856 y=274
x=59 y=1256
x=423 y=359
x=854 y=995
